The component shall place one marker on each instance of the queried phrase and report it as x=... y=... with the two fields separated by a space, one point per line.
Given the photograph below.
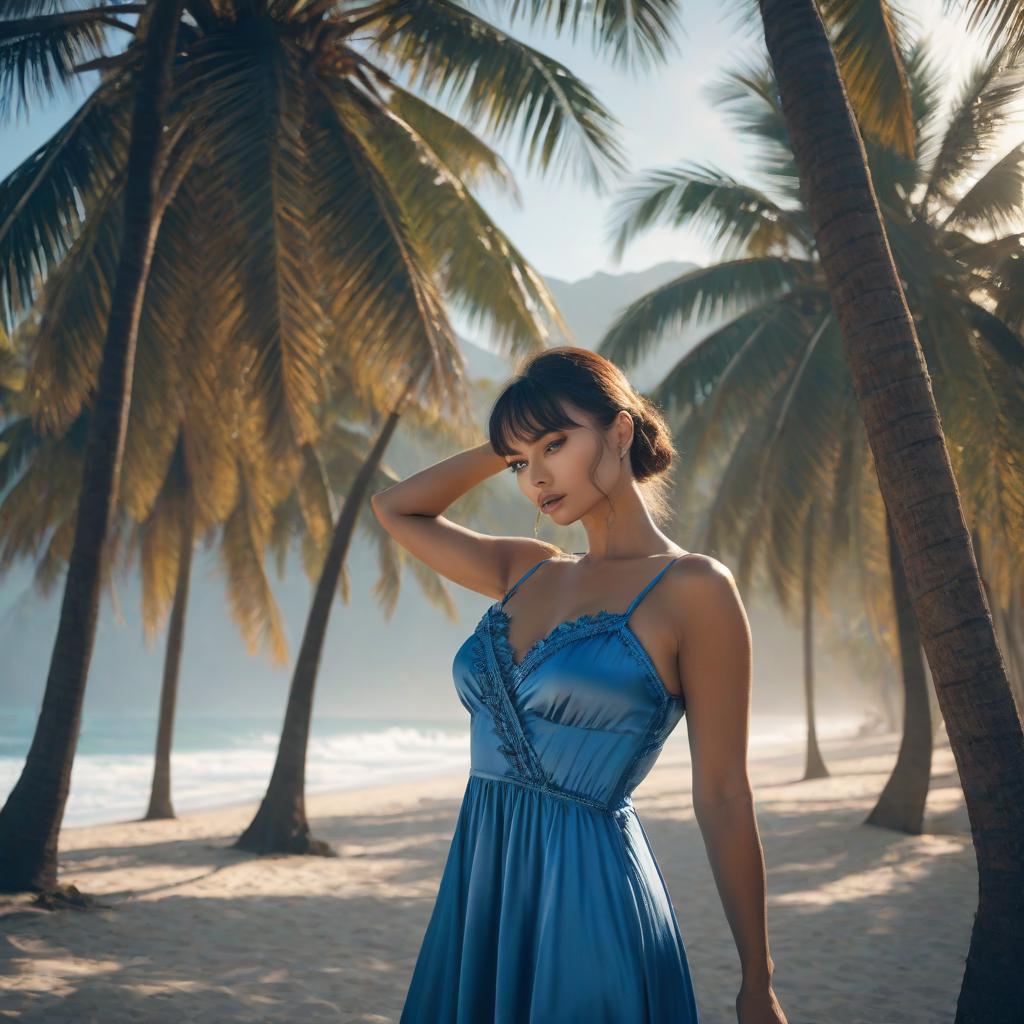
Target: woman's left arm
x=715 y=671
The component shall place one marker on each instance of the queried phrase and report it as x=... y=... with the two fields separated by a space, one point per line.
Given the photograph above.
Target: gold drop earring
x=610 y=519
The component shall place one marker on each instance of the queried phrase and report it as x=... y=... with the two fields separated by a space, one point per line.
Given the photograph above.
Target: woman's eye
x=516 y=465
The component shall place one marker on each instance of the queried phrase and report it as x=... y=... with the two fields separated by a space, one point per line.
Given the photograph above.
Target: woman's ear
x=626 y=429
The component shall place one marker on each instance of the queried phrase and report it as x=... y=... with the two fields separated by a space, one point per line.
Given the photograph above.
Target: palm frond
x=467 y=156
x=736 y=501
x=736 y=218
x=979 y=397
x=485 y=276
x=385 y=309
x=45 y=199
x=40 y=52
x=250 y=597
x=694 y=376
x=490 y=78
x=41 y=491
x=869 y=38
x=1002 y=20
x=159 y=545
x=633 y=32
x=749 y=99
x=698 y=295
x=19 y=442
x=766 y=356
x=254 y=95
x=995 y=199
x=801 y=449
x=986 y=102
x=75 y=304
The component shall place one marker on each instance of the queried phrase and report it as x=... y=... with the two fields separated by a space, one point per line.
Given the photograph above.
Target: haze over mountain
x=589 y=306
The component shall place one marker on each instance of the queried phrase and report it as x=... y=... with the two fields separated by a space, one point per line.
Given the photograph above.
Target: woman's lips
x=549 y=505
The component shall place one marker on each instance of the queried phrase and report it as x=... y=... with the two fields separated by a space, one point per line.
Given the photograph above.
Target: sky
x=562 y=225
x=667 y=119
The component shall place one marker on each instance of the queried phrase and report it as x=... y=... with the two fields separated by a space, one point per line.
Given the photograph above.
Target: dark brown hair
x=531 y=405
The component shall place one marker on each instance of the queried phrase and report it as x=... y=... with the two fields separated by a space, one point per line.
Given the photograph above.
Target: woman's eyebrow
x=536 y=440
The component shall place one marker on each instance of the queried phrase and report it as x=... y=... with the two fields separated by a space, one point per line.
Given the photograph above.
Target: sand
x=866 y=926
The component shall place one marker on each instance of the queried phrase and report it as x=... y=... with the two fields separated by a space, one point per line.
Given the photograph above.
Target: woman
x=552 y=908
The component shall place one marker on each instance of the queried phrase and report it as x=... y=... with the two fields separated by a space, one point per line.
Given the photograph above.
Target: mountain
x=589 y=306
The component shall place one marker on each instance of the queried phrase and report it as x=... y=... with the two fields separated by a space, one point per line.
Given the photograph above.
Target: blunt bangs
x=525 y=410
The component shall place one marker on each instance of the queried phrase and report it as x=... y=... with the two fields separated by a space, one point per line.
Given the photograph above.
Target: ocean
x=227 y=760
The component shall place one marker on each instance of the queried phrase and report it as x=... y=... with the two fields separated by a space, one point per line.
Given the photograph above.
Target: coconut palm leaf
x=490 y=78
x=74 y=306
x=985 y=104
x=762 y=347
x=868 y=38
x=466 y=155
x=480 y=270
x=41 y=49
x=995 y=199
x=386 y=308
x=254 y=100
x=1003 y=20
x=748 y=99
x=634 y=34
x=719 y=290
x=735 y=217
x=44 y=199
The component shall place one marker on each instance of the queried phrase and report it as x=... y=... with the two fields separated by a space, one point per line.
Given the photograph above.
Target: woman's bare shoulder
x=702 y=590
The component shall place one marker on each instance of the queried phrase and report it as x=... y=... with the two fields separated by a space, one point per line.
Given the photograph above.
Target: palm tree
x=814 y=763
x=280 y=824
x=767 y=395
x=30 y=819
x=901 y=802
x=919 y=489
x=206 y=491
x=205 y=484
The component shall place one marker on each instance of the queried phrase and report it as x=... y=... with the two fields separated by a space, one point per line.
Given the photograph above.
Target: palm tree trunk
x=1003 y=618
x=30 y=819
x=814 y=768
x=280 y=824
x=901 y=805
x=918 y=487
x=160 y=805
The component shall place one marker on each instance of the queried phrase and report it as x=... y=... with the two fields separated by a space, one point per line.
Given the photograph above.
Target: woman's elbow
x=379 y=502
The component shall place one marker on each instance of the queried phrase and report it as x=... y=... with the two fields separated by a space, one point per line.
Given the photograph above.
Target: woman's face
x=559 y=465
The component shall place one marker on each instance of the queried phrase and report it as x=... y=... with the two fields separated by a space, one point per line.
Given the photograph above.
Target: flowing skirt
x=549 y=912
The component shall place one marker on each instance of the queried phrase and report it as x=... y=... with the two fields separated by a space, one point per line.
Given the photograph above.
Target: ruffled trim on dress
x=514 y=744
x=585 y=624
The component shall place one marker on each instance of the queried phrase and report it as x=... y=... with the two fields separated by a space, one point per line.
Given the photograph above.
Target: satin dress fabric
x=552 y=908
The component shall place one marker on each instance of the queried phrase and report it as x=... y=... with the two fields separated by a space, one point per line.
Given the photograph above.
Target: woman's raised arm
x=411 y=511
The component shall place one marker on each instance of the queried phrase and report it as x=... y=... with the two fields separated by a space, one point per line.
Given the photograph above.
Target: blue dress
x=551 y=907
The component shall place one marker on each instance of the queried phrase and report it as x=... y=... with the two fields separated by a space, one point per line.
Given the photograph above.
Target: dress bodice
x=583 y=716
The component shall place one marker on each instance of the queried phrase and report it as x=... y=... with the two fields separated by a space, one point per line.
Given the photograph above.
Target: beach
x=866 y=926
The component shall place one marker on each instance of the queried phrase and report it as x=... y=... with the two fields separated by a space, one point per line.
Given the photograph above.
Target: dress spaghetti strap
x=643 y=593
x=626 y=614
x=526 y=575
